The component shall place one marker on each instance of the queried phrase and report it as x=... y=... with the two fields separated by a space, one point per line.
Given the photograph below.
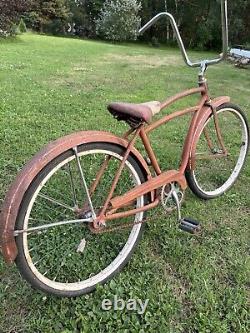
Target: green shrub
x=22 y=26
x=14 y=30
x=55 y=27
x=119 y=20
x=155 y=42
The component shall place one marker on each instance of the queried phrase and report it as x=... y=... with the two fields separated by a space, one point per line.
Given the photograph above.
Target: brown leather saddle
x=135 y=114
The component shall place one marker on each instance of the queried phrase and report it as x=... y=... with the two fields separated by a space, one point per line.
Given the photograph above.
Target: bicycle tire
x=51 y=242
x=207 y=180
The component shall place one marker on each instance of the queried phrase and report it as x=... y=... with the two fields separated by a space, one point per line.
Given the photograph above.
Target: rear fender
x=14 y=197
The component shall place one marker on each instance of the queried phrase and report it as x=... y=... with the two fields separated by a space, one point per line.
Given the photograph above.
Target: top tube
x=205 y=62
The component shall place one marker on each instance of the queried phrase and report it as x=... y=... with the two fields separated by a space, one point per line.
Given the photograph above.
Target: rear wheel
x=71 y=260
x=213 y=174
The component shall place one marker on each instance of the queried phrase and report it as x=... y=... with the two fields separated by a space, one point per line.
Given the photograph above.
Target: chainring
x=167 y=201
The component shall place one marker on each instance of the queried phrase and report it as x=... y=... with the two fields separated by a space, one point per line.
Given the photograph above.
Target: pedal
x=186 y=224
x=189 y=225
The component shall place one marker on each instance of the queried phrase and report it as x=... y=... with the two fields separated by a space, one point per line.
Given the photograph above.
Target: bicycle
x=58 y=221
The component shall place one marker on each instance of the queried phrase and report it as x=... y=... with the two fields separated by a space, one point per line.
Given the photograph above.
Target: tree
x=119 y=20
x=49 y=16
x=11 y=10
x=199 y=21
x=85 y=13
x=22 y=26
x=239 y=21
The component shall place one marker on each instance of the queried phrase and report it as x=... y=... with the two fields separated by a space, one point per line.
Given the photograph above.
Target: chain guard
x=167 y=202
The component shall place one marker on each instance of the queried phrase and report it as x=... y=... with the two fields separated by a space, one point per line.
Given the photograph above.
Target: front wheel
x=215 y=172
x=71 y=260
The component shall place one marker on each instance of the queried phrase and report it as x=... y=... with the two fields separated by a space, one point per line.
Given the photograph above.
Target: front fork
x=223 y=151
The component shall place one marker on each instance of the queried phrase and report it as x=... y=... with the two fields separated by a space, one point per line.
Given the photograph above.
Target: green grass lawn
x=50 y=87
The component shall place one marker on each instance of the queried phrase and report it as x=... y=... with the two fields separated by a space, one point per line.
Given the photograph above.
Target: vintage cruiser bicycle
x=74 y=215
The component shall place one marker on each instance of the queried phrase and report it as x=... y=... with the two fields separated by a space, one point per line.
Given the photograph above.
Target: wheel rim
x=116 y=261
x=222 y=174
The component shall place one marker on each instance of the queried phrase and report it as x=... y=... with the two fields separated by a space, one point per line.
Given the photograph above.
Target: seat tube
x=119 y=171
x=150 y=151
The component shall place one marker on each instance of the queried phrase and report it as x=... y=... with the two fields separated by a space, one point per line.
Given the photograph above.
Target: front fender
x=14 y=197
x=205 y=114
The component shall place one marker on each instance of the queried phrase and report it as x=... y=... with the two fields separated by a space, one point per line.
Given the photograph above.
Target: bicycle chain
x=123 y=226
x=104 y=229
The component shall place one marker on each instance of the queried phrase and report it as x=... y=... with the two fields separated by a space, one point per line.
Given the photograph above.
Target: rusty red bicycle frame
x=201 y=113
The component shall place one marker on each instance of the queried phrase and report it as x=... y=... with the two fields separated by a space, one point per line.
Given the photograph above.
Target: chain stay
x=123 y=226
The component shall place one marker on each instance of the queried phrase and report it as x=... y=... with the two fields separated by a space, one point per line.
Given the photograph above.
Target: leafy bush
x=22 y=26
x=55 y=27
x=155 y=42
x=119 y=20
x=14 y=30
x=11 y=10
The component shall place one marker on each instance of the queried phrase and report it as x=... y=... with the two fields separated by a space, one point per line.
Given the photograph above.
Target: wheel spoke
x=51 y=225
x=84 y=182
x=72 y=186
x=56 y=202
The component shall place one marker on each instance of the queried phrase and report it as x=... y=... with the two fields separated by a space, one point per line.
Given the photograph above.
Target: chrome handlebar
x=180 y=41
